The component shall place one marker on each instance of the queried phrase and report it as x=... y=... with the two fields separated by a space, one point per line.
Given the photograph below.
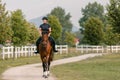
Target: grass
x=62 y=56
x=106 y=67
x=5 y=64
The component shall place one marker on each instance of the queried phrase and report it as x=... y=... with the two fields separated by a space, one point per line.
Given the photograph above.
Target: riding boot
x=37 y=50
x=54 y=49
x=53 y=44
x=37 y=45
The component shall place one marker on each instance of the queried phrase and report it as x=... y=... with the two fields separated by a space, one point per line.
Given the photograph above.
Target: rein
x=44 y=36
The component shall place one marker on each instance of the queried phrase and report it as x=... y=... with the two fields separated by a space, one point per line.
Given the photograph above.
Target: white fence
x=11 y=52
x=97 y=49
x=16 y=52
x=62 y=48
x=113 y=49
x=8 y=52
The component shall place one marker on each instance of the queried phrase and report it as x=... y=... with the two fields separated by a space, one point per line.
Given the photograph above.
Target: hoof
x=48 y=74
x=45 y=76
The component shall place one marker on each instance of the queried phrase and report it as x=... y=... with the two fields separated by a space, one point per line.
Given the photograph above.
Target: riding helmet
x=44 y=18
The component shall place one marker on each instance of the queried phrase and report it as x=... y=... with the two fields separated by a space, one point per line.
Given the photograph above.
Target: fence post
x=19 y=52
x=29 y=50
x=82 y=48
x=22 y=51
x=25 y=51
x=60 y=49
x=12 y=51
x=112 y=48
x=8 y=52
x=34 y=49
x=86 y=47
x=16 y=52
x=106 y=49
x=67 y=49
x=3 y=53
x=116 y=49
x=102 y=49
x=97 y=49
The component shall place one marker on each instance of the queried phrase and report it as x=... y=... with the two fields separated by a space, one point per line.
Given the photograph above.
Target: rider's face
x=44 y=21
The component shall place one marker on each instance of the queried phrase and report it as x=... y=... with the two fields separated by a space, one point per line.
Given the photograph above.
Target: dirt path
x=34 y=71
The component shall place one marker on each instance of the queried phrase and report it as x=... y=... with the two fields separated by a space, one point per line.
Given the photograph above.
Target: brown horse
x=46 y=53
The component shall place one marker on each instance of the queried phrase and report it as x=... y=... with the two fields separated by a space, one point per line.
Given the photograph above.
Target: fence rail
x=11 y=52
x=97 y=49
x=62 y=48
x=113 y=49
x=26 y=51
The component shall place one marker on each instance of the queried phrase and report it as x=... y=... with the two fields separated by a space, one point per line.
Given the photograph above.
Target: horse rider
x=45 y=27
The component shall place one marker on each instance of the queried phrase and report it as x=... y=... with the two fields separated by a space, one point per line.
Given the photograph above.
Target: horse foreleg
x=48 y=68
x=46 y=63
x=44 y=70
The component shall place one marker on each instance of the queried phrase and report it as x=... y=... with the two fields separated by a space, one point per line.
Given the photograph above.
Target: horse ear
x=45 y=32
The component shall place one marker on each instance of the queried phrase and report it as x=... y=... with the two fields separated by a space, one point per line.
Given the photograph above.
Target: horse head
x=45 y=38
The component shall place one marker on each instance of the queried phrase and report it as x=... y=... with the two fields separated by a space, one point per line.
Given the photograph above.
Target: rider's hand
x=49 y=34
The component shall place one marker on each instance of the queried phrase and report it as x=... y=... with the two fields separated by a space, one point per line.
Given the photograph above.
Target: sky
x=36 y=8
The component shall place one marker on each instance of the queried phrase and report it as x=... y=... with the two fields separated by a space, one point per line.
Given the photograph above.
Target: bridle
x=44 y=42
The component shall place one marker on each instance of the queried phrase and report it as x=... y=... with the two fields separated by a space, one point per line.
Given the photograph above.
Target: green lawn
x=5 y=64
x=106 y=67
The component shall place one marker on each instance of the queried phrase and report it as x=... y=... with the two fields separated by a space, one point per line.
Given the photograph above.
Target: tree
x=63 y=18
x=5 y=29
x=33 y=33
x=114 y=15
x=56 y=27
x=92 y=10
x=111 y=38
x=18 y=25
x=69 y=39
x=93 y=33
